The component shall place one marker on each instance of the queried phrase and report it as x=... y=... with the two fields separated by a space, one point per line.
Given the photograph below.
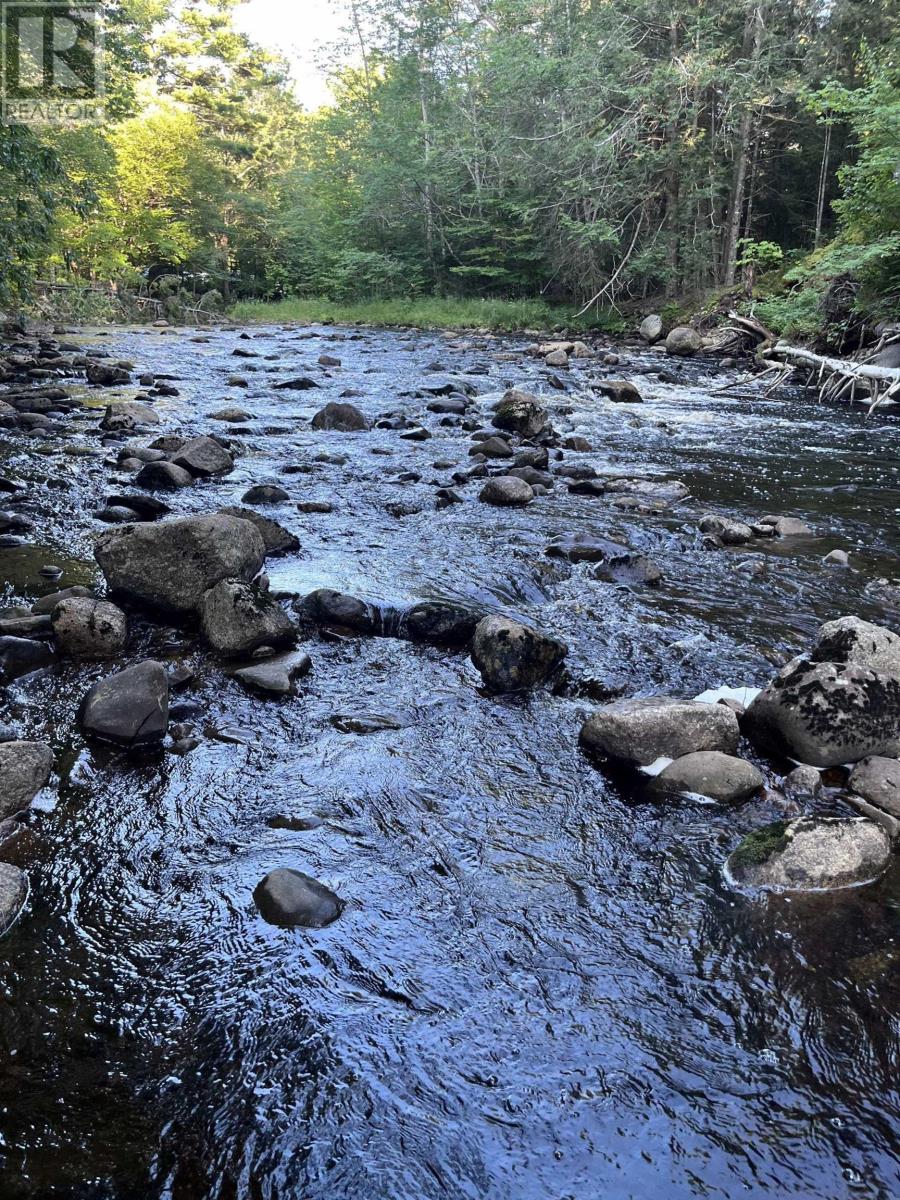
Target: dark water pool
x=541 y=987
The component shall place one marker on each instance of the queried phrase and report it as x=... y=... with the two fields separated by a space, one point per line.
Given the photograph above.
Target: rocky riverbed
x=437 y=765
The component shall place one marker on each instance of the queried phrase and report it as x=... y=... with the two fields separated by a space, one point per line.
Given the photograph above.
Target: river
x=540 y=986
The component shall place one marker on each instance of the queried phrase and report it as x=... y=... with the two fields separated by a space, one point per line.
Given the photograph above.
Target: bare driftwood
x=836 y=378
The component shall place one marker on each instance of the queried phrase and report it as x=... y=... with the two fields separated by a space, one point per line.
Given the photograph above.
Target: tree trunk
x=753 y=38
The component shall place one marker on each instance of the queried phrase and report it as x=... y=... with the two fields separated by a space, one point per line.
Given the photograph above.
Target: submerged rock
x=512 y=657
x=290 y=898
x=709 y=773
x=24 y=769
x=811 y=854
x=237 y=618
x=827 y=713
x=265 y=493
x=89 y=628
x=171 y=564
x=130 y=708
x=13 y=895
x=644 y=730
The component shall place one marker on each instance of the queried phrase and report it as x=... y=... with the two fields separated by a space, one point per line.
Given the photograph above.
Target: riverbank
x=430 y=313
x=538 y=973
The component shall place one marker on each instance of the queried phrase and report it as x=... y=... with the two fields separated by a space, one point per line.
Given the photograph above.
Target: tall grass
x=426 y=313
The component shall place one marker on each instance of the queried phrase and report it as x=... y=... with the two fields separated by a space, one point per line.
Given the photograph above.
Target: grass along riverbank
x=500 y=316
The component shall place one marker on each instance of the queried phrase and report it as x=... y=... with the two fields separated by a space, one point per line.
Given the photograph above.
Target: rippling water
x=540 y=986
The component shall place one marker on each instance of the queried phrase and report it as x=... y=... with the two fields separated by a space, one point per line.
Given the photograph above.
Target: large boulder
x=171 y=564
x=811 y=854
x=24 y=769
x=203 y=457
x=850 y=640
x=683 y=341
x=827 y=713
x=89 y=628
x=290 y=898
x=130 y=708
x=440 y=623
x=277 y=539
x=13 y=895
x=620 y=391
x=709 y=773
x=511 y=656
x=105 y=374
x=645 y=730
x=651 y=328
x=520 y=412
x=237 y=619
x=345 y=418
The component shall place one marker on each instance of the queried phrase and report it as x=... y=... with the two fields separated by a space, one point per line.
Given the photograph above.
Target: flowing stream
x=541 y=986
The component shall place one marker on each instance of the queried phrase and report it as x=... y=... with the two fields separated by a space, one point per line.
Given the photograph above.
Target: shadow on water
x=540 y=986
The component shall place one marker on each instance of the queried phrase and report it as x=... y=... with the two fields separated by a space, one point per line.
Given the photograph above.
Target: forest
x=588 y=154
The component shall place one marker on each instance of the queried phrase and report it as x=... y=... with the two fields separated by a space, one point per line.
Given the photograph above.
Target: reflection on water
x=540 y=986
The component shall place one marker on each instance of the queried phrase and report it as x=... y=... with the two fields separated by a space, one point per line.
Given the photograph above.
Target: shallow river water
x=541 y=986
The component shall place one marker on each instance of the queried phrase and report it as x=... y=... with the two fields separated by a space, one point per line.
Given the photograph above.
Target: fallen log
x=836 y=377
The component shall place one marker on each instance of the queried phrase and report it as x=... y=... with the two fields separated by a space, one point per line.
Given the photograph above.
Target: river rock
x=557 y=358
x=89 y=628
x=24 y=769
x=709 y=773
x=520 y=412
x=511 y=656
x=46 y=604
x=171 y=564
x=275 y=676
x=327 y=607
x=644 y=730
x=811 y=854
x=620 y=391
x=130 y=708
x=507 y=492
x=290 y=898
x=877 y=780
x=827 y=713
x=731 y=533
x=237 y=618
x=105 y=374
x=22 y=656
x=440 y=623
x=345 y=418
x=265 y=493
x=13 y=895
x=651 y=328
x=126 y=415
x=803 y=781
x=203 y=457
x=277 y=539
x=231 y=416
x=787 y=526
x=163 y=477
x=683 y=341
x=850 y=640
x=493 y=447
